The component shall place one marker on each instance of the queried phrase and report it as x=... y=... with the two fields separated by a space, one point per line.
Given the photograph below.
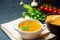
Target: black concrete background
x=10 y=10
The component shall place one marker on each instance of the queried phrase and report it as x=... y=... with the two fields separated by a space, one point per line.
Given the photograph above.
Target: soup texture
x=29 y=26
x=53 y=19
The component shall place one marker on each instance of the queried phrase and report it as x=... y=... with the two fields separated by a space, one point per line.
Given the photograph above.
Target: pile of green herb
x=34 y=13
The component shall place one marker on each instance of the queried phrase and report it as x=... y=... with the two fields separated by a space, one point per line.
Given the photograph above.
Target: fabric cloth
x=9 y=29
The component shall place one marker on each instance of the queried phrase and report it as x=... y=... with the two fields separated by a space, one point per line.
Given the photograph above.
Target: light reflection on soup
x=30 y=26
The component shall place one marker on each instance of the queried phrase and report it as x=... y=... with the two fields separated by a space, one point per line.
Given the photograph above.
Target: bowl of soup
x=30 y=28
x=53 y=24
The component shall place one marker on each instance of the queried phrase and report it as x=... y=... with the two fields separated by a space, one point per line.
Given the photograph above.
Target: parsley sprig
x=25 y=28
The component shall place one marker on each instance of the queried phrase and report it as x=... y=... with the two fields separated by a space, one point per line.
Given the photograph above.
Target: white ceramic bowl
x=30 y=35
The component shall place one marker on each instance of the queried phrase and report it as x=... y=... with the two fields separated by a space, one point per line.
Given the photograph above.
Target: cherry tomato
x=41 y=8
x=46 y=9
x=54 y=8
x=55 y=11
x=50 y=9
x=58 y=11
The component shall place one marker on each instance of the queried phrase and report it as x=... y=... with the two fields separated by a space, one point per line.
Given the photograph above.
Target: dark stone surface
x=10 y=10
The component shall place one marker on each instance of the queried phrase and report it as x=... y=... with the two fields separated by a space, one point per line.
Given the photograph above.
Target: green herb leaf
x=43 y=15
x=32 y=13
x=28 y=7
x=37 y=15
x=25 y=28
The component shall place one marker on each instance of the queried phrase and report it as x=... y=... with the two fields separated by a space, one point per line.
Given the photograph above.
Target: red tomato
x=54 y=8
x=55 y=11
x=46 y=9
x=58 y=11
x=41 y=8
x=50 y=9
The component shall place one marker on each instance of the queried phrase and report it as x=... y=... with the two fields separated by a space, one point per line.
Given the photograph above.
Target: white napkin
x=8 y=28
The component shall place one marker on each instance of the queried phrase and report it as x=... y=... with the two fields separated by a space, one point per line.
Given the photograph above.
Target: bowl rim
x=31 y=32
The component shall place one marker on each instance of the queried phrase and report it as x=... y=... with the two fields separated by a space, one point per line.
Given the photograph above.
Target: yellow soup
x=29 y=26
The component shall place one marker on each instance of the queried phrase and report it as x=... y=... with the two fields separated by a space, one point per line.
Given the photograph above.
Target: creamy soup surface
x=30 y=26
